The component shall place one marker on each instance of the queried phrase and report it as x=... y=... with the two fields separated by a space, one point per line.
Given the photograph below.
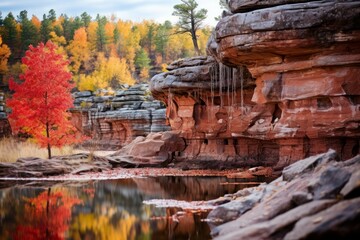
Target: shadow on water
x=111 y=209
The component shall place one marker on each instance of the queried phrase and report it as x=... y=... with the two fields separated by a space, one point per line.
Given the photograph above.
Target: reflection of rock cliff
x=5 y=129
x=284 y=84
x=113 y=119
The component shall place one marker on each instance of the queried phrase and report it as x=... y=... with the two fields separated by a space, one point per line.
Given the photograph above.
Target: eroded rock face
x=5 y=129
x=115 y=119
x=286 y=85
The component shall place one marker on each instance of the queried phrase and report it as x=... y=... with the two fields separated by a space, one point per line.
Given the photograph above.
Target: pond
x=111 y=209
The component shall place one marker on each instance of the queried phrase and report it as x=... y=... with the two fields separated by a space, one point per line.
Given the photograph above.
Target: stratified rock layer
x=274 y=210
x=284 y=85
x=115 y=119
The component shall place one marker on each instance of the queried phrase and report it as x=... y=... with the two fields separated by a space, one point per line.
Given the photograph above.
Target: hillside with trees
x=104 y=52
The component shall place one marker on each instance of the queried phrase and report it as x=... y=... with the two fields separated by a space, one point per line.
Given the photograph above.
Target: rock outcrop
x=315 y=198
x=113 y=119
x=5 y=129
x=156 y=149
x=281 y=83
x=32 y=167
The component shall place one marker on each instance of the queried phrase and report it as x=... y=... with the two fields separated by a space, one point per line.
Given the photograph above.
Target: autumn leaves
x=40 y=101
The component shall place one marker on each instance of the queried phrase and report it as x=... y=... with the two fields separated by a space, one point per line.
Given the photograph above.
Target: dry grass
x=11 y=150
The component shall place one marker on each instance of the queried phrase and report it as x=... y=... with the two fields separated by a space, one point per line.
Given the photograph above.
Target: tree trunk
x=47 y=128
x=48 y=136
x=47 y=214
x=194 y=39
x=193 y=34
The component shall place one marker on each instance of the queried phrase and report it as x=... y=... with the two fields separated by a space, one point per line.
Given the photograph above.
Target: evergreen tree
x=101 y=40
x=162 y=38
x=52 y=15
x=116 y=36
x=86 y=19
x=67 y=28
x=29 y=33
x=190 y=20
x=1 y=19
x=45 y=29
x=10 y=35
x=142 y=59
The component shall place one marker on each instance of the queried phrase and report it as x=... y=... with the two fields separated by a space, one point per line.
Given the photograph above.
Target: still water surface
x=112 y=209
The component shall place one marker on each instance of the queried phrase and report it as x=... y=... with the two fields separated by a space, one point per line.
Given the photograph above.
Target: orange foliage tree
x=41 y=100
x=4 y=55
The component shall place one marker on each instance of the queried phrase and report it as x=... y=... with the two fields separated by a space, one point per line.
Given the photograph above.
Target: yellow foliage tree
x=144 y=74
x=4 y=56
x=78 y=50
x=58 y=40
x=91 y=31
x=129 y=42
x=108 y=73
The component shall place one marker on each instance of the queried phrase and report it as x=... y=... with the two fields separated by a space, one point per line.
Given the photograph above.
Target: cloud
x=136 y=10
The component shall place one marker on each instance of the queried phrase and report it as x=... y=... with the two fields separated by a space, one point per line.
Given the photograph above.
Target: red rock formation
x=298 y=65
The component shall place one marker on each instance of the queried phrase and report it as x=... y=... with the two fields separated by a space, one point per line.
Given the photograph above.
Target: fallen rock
x=153 y=150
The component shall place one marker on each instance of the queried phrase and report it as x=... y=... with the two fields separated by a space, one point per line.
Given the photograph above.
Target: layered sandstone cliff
x=281 y=83
x=113 y=119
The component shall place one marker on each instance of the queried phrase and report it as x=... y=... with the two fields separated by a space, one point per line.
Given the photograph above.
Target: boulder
x=153 y=150
x=307 y=205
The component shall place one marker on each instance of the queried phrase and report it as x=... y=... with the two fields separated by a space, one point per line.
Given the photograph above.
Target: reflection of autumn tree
x=93 y=226
x=47 y=216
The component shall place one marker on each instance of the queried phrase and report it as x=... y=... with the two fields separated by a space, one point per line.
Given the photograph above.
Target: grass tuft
x=12 y=149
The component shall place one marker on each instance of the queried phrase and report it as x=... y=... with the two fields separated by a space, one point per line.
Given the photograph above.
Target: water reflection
x=108 y=209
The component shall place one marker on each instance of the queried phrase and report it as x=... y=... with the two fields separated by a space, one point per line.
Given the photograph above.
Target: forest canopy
x=104 y=52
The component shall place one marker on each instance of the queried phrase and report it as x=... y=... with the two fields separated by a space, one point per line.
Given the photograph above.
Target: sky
x=135 y=10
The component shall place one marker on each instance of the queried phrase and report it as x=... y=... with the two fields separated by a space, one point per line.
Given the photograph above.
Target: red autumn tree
x=41 y=100
x=47 y=216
